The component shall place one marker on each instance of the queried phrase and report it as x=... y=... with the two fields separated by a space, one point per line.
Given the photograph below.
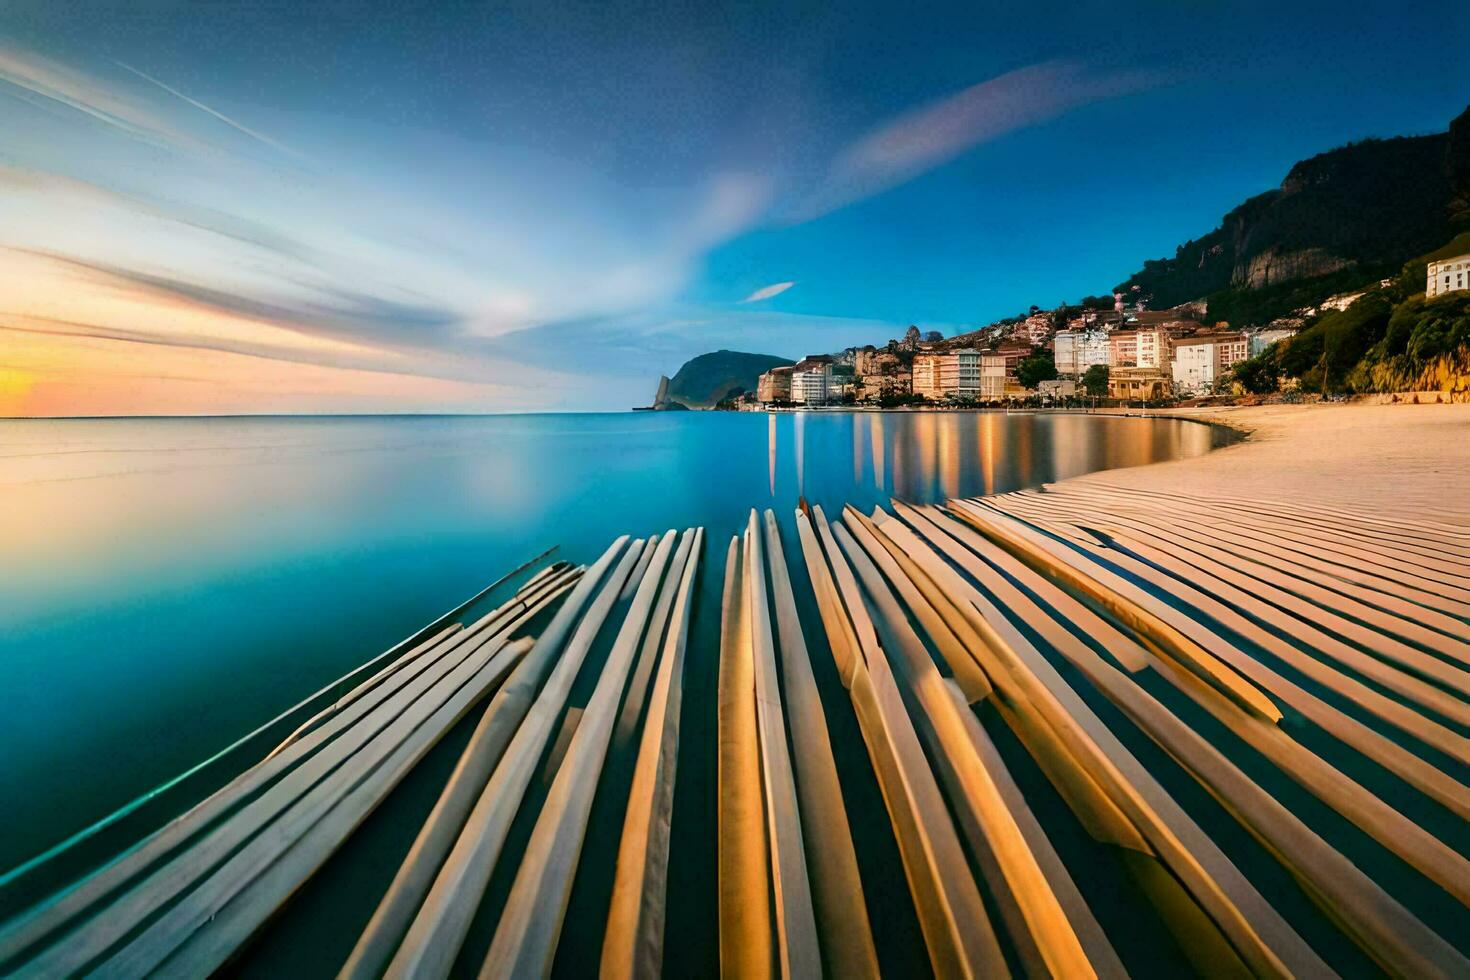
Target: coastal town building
x=1056 y=389
x=1036 y=328
x=1448 y=276
x=1258 y=340
x=953 y=374
x=1074 y=351
x=1139 y=348
x=998 y=377
x=774 y=386
x=811 y=380
x=959 y=373
x=1139 y=383
x=926 y=376
x=1201 y=361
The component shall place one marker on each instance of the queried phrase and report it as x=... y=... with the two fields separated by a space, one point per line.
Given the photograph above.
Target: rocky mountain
x=1340 y=219
x=705 y=380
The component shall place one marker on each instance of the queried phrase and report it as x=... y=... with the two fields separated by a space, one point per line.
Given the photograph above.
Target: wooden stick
x=841 y=911
x=634 y=941
x=798 y=949
x=747 y=948
x=433 y=939
x=530 y=923
x=1035 y=920
x=208 y=886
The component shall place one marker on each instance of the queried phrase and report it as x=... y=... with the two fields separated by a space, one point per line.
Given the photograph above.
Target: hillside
x=1392 y=339
x=1339 y=220
x=708 y=378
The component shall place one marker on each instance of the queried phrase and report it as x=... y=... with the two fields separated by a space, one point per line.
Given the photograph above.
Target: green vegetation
x=708 y=379
x=1256 y=307
x=1036 y=369
x=1392 y=339
x=1095 y=380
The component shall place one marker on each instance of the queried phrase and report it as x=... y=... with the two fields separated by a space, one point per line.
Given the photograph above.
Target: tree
x=1258 y=375
x=1034 y=370
x=1095 y=380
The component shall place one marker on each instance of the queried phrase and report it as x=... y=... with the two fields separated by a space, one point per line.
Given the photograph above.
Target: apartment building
x=1139 y=348
x=1447 y=276
x=811 y=380
x=1075 y=351
x=1201 y=361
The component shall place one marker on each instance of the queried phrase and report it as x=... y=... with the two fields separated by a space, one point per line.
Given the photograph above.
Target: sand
x=1400 y=460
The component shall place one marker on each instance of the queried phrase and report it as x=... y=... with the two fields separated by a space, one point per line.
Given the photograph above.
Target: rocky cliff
x=1356 y=212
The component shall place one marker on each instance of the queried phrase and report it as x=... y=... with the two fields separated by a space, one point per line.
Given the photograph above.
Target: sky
x=348 y=206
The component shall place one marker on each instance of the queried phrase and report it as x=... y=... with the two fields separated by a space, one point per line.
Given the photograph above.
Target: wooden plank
x=1391 y=829
x=798 y=951
x=530 y=923
x=951 y=647
x=957 y=931
x=164 y=882
x=626 y=729
x=747 y=947
x=1122 y=648
x=401 y=902
x=842 y=913
x=1310 y=532
x=1418 y=773
x=226 y=924
x=526 y=593
x=1144 y=621
x=432 y=942
x=1255 y=930
x=1377 y=922
x=841 y=639
x=1035 y=920
x=206 y=886
x=24 y=933
x=634 y=941
x=1387 y=614
x=28 y=930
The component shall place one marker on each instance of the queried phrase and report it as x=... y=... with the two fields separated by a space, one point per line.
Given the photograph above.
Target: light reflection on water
x=166 y=584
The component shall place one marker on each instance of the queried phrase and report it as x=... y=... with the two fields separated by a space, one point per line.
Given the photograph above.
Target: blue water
x=166 y=585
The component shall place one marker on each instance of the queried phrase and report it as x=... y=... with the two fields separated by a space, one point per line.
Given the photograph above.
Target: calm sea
x=166 y=585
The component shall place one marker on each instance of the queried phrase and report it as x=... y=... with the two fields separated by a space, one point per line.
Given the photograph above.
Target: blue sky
x=352 y=206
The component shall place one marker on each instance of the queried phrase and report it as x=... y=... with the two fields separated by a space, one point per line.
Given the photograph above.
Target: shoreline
x=1401 y=459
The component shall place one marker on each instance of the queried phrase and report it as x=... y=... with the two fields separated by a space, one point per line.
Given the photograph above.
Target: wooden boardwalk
x=1253 y=719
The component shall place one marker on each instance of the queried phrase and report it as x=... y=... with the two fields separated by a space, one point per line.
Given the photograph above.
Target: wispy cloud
x=932 y=135
x=766 y=292
x=55 y=84
x=342 y=312
x=241 y=127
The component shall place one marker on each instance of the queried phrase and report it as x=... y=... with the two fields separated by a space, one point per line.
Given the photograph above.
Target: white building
x=1261 y=339
x=812 y=386
x=1078 y=350
x=1448 y=276
x=1201 y=361
x=1139 y=348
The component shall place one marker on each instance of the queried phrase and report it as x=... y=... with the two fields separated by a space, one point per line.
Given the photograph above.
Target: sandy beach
x=1405 y=460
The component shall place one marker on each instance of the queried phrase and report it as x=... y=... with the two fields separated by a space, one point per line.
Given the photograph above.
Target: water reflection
x=148 y=565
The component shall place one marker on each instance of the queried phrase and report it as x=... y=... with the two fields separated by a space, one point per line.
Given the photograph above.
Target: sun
x=15 y=387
